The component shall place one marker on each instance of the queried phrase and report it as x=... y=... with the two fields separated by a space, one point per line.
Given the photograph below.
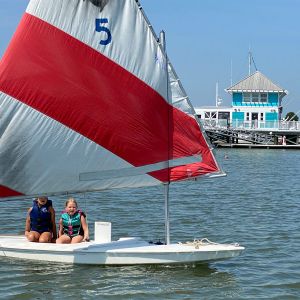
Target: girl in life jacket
x=73 y=227
x=40 y=222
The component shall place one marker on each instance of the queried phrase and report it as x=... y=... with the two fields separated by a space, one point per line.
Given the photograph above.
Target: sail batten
x=137 y=170
x=84 y=89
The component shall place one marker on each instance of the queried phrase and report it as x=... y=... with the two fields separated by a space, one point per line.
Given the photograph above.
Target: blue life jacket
x=72 y=224
x=40 y=217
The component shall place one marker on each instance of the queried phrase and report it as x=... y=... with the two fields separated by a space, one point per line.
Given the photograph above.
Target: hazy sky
x=208 y=42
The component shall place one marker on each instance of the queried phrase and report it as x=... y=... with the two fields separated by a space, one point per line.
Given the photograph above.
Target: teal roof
x=256 y=82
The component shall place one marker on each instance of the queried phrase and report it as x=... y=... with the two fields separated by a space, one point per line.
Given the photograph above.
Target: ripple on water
x=257 y=205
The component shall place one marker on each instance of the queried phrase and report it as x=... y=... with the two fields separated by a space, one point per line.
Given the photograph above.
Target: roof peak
x=256 y=82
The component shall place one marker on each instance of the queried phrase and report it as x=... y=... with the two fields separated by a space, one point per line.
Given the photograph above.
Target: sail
x=180 y=100
x=85 y=104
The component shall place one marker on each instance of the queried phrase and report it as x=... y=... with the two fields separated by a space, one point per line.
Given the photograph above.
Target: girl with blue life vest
x=73 y=227
x=40 y=222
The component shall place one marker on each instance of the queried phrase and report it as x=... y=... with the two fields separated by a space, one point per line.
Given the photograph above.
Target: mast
x=162 y=40
x=249 y=62
x=217 y=93
x=231 y=72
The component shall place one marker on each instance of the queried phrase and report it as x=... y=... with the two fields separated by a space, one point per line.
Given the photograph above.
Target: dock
x=257 y=146
x=282 y=137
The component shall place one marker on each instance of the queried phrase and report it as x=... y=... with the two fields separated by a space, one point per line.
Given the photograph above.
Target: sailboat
x=90 y=101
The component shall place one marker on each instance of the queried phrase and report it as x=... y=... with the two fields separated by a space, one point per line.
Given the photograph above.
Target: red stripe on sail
x=183 y=172
x=7 y=192
x=72 y=83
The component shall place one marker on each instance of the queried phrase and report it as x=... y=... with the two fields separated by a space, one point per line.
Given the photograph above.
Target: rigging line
x=288 y=101
x=254 y=63
x=179 y=100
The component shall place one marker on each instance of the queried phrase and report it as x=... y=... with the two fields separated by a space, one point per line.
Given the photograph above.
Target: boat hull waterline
x=125 y=251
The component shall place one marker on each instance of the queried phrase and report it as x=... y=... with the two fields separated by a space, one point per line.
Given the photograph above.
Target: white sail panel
x=132 y=45
x=179 y=97
x=41 y=144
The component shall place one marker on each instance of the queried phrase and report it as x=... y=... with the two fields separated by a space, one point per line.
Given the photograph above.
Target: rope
x=4 y=253
x=254 y=63
x=203 y=242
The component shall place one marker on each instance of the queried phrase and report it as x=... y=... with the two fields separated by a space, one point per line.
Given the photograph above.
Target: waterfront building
x=256 y=103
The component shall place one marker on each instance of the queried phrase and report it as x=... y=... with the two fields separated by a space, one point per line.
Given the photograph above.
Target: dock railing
x=251 y=125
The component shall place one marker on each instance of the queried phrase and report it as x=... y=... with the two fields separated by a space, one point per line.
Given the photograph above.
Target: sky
x=208 y=41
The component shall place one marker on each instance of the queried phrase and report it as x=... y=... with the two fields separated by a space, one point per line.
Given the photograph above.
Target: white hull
x=129 y=251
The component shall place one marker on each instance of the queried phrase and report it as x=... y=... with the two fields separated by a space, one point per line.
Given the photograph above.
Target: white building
x=256 y=103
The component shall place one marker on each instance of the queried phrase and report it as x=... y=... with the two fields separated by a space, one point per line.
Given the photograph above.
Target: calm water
x=257 y=205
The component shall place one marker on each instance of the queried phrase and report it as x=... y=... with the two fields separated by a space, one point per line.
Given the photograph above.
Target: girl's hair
x=71 y=200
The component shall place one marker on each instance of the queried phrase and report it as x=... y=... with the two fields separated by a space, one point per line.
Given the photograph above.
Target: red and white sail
x=198 y=166
x=84 y=104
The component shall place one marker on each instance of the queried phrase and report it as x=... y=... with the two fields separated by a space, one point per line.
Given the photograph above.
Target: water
x=257 y=205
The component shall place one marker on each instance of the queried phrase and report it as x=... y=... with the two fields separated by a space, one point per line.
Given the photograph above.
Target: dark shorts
x=40 y=231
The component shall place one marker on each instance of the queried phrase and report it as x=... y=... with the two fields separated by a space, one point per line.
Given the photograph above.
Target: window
x=247 y=116
x=247 y=97
x=255 y=97
x=263 y=97
x=261 y=116
x=223 y=115
x=210 y=115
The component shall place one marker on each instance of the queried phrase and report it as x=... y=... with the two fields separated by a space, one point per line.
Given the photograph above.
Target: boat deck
x=125 y=251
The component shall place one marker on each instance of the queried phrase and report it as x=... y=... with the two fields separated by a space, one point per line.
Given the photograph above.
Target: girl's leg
x=63 y=239
x=33 y=236
x=77 y=239
x=45 y=237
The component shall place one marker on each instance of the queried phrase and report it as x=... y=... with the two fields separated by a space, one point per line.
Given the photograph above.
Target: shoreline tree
x=291 y=116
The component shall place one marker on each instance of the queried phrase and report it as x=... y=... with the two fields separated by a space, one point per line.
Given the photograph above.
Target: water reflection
x=38 y=278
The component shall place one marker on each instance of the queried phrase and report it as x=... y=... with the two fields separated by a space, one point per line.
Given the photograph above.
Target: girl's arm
x=27 y=222
x=85 y=228
x=60 y=229
x=54 y=232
